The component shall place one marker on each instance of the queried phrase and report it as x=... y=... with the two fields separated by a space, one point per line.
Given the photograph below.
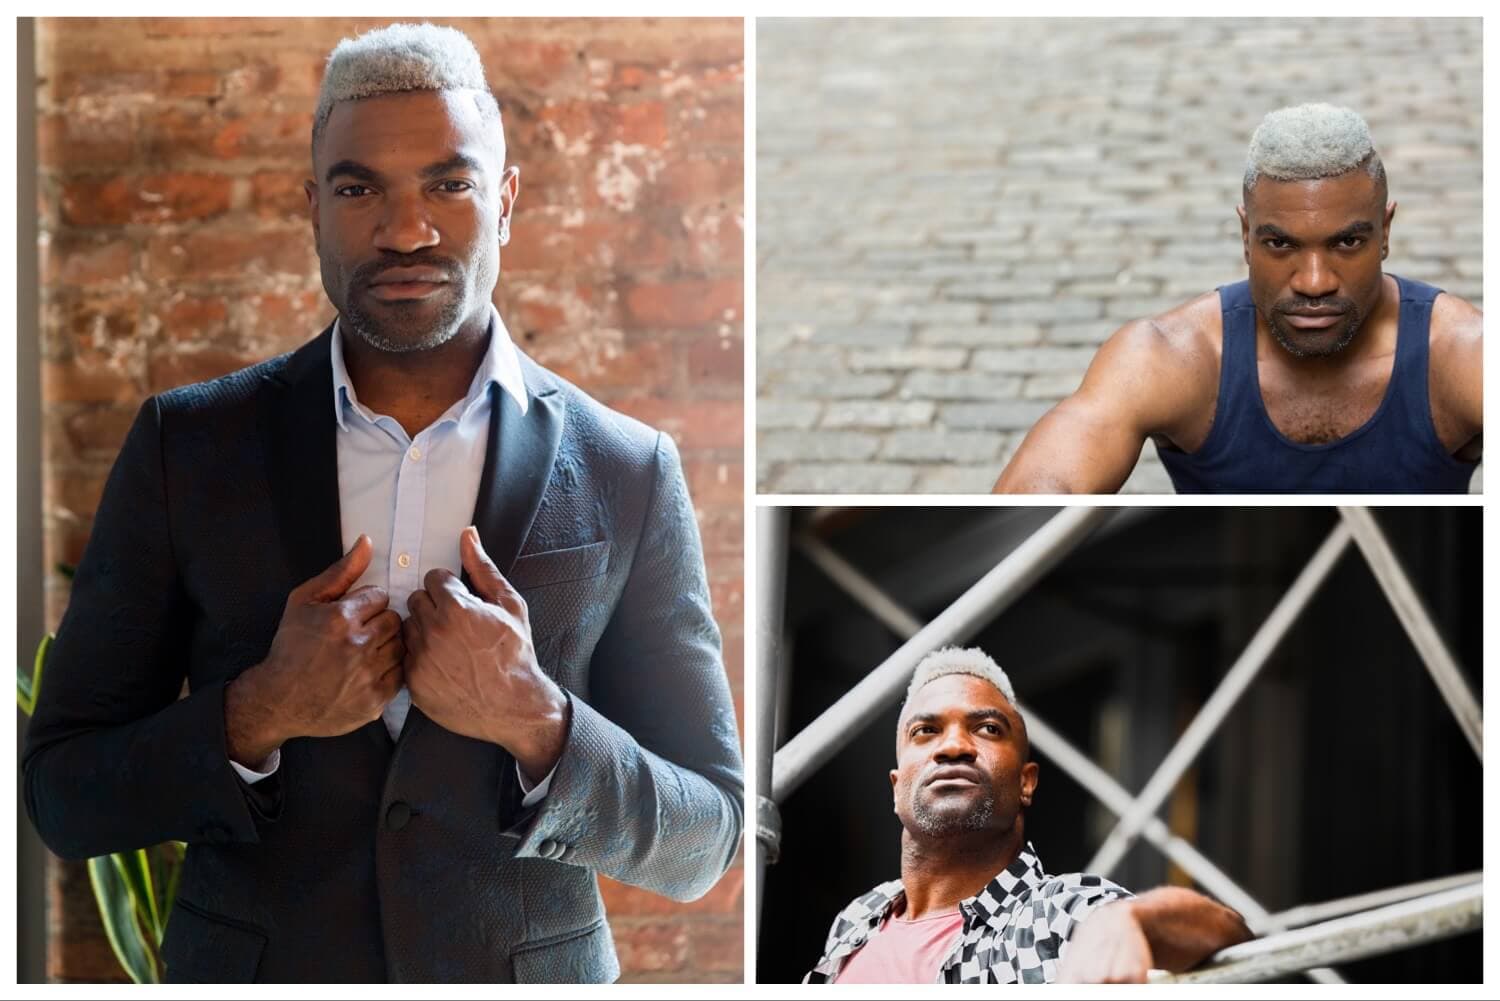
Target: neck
x=937 y=873
x=416 y=387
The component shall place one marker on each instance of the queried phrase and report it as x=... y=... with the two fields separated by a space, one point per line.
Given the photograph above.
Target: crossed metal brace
x=1408 y=915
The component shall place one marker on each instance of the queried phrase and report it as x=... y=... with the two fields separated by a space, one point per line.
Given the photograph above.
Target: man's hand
x=334 y=663
x=1110 y=947
x=1168 y=928
x=471 y=668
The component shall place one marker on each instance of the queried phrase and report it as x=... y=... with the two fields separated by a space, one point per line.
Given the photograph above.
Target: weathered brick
x=204 y=255
x=152 y=198
x=685 y=304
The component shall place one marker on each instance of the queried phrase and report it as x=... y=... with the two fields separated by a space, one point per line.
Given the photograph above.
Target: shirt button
x=415 y=453
x=397 y=816
x=403 y=561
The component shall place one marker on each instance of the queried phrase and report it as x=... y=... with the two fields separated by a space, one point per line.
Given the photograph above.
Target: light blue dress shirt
x=413 y=496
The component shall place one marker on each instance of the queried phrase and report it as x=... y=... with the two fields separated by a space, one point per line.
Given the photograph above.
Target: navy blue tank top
x=1396 y=451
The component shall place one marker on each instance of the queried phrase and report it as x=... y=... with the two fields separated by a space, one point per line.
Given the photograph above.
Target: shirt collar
x=501 y=364
x=989 y=906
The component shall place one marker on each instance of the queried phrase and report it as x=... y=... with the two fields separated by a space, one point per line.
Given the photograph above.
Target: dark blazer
x=362 y=859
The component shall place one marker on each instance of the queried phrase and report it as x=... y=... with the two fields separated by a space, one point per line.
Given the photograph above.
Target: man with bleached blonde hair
x=1319 y=374
x=973 y=904
x=443 y=618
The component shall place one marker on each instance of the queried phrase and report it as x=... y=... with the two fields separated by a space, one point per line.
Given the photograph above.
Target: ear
x=510 y=188
x=1244 y=230
x=893 y=790
x=1385 y=236
x=310 y=188
x=1028 y=782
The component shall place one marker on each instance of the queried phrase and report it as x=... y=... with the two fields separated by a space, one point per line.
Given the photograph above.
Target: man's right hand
x=334 y=664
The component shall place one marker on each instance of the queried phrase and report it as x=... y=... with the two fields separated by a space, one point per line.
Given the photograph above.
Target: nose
x=957 y=745
x=405 y=226
x=1313 y=278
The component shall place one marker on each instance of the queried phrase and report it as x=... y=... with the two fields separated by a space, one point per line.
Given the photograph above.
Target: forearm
x=1065 y=453
x=93 y=790
x=630 y=814
x=1184 y=928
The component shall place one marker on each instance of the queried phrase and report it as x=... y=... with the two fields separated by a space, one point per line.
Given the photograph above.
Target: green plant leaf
x=27 y=687
x=135 y=869
x=118 y=913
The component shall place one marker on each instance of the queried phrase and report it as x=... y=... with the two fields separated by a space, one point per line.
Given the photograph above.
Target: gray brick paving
x=953 y=215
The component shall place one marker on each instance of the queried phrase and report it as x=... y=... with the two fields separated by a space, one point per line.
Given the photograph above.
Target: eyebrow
x=358 y=171
x=972 y=716
x=458 y=161
x=1361 y=228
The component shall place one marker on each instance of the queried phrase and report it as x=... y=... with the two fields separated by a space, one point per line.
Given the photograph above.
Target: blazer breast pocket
x=560 y=566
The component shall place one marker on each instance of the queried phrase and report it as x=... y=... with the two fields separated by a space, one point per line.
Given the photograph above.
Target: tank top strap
x=1409 y=370
x=1239 y=380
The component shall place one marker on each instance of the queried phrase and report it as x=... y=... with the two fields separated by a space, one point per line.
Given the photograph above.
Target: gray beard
x=937 y=823
x=405 y=338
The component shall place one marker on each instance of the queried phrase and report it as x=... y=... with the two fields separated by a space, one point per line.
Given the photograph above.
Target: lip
x=1313 y=321
x=948 y=776
x=390 y=291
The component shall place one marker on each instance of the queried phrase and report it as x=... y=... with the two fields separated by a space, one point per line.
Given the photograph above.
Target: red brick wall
x=175 y=247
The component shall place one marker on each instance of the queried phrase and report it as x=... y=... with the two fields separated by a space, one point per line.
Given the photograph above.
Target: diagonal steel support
x=1410 y=923
x=1214 y=711
x=1417 y=621
x=1073 y=762
x=838 y=724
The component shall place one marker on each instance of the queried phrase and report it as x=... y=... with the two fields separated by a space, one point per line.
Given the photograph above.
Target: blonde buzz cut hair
x=1308 y=142
x=959 y=660
x=399 y=58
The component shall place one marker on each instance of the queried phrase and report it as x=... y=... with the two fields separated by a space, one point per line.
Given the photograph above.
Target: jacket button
x=546 y=848
x=397 y=816
x=216 y=835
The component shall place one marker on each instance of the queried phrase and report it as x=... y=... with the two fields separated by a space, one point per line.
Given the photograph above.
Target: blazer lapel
x=299 y=430
x=517 y=465
x=302 y=455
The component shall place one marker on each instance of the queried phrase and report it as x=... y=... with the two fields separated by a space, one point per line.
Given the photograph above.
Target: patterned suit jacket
x=364 y=859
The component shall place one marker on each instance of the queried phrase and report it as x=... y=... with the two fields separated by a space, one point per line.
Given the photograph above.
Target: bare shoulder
x=1456 y=368
x=1457 y=328
x=1169 y=361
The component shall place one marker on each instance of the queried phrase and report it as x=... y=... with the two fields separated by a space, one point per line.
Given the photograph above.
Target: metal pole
x=1238 y=678
x=838 y=724
x=859 y=587
x=1386 y=929
x=770 y=568
x=1409 y=608
x=1309 y=914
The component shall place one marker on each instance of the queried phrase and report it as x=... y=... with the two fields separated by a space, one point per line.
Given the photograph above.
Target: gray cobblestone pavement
x=952 y=215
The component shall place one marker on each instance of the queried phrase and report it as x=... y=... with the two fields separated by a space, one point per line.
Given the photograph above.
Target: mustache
x=367 y=272
x=1297 y=303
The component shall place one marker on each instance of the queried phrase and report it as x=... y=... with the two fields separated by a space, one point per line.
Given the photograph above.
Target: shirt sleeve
x=534 y=794
x=267 y=768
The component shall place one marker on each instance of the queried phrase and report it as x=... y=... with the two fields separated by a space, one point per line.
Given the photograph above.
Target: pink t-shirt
x=904 y=952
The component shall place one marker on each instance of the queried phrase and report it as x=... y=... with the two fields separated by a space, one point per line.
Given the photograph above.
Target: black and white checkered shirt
x=1013 y=931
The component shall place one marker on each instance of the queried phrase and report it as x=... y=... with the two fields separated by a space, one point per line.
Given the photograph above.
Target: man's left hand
x=1108 y=948
x=470 y=665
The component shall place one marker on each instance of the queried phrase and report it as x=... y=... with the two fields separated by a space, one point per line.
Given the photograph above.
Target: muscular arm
x=1167 y=928
x=1146 y=379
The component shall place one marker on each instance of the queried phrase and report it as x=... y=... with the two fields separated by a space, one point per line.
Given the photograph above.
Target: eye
x=454 y=187
x=993 y=729
x=1350 y=243
x=1276 y=243
x=923 y=728
x=351 y=190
